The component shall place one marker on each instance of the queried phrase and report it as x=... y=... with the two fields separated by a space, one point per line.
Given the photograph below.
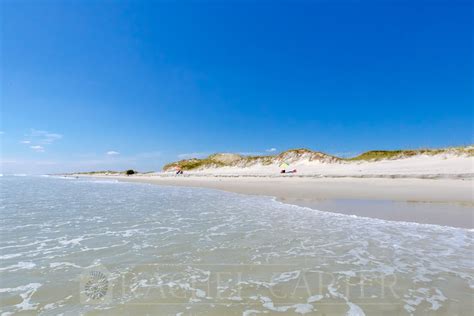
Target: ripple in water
x=86 y=246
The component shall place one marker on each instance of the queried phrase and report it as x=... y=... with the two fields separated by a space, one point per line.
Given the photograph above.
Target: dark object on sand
x=129 y=172
x=289 y=171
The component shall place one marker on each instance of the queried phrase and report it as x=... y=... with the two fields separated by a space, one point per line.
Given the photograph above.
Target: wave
x=76 y=224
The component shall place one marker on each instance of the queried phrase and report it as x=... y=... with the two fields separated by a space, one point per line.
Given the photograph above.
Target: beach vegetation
x=194 y=163
x=292 y=155
x=375 y=155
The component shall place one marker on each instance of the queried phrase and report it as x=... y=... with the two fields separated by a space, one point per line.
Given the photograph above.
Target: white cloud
x=250 y=153
x=38 y=139
x=37 y=148
x=44 y=137
x=113 y=153
x=192 y=155
x=271 y=150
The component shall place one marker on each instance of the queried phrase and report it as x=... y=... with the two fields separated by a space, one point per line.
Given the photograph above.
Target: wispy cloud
x=27 y=162
x=193 y=155
x=271 y=150
x=113 y=153
x=44 y=137
x=39 y=139
x=37 y=148
x=250 y=153
x=143 y=161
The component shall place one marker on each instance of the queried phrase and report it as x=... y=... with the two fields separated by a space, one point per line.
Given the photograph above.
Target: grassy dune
x=223 y=160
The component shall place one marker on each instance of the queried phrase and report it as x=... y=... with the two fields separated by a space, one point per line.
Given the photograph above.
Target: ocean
x=98 y=247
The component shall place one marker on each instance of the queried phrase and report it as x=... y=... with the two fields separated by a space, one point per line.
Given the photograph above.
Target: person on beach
x=284 y=166
x=179 y=170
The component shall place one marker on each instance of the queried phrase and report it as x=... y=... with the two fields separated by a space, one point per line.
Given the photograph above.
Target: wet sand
x=439 y=213
x=446 y=202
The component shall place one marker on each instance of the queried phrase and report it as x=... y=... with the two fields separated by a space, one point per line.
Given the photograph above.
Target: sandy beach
x=447 y=202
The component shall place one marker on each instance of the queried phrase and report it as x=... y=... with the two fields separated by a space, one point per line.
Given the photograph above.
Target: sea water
x=85 y=246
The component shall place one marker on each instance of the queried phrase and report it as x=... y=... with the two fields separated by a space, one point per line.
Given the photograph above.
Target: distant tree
x=130 y=172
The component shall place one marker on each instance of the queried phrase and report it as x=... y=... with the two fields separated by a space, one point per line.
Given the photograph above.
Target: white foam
x=314 y=298
x=251 y=312
x=63 y=264
x=436 y=299
x=104 y=181
x=19 y=266
x=303 y=308
x=10 y=256
x=28 y=291
x=73 y=242
x=354 y=310
x=287 y=276
x=235 y=298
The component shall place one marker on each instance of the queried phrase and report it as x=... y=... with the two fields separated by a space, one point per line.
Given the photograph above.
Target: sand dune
x=417 y=166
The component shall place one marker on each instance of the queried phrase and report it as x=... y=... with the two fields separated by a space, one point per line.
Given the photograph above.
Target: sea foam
x=227 y=252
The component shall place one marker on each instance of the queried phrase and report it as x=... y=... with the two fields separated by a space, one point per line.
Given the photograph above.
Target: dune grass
x=373 y=155
x=194 y=163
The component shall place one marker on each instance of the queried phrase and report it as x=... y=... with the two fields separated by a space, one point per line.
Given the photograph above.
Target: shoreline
x=445 y=202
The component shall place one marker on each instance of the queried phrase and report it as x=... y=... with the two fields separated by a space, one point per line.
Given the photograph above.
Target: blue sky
x=115 y=84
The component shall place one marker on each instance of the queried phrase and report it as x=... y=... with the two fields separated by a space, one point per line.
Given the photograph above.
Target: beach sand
x=447 y=202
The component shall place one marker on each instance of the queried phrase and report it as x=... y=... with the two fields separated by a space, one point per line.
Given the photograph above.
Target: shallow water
x=104 y=247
